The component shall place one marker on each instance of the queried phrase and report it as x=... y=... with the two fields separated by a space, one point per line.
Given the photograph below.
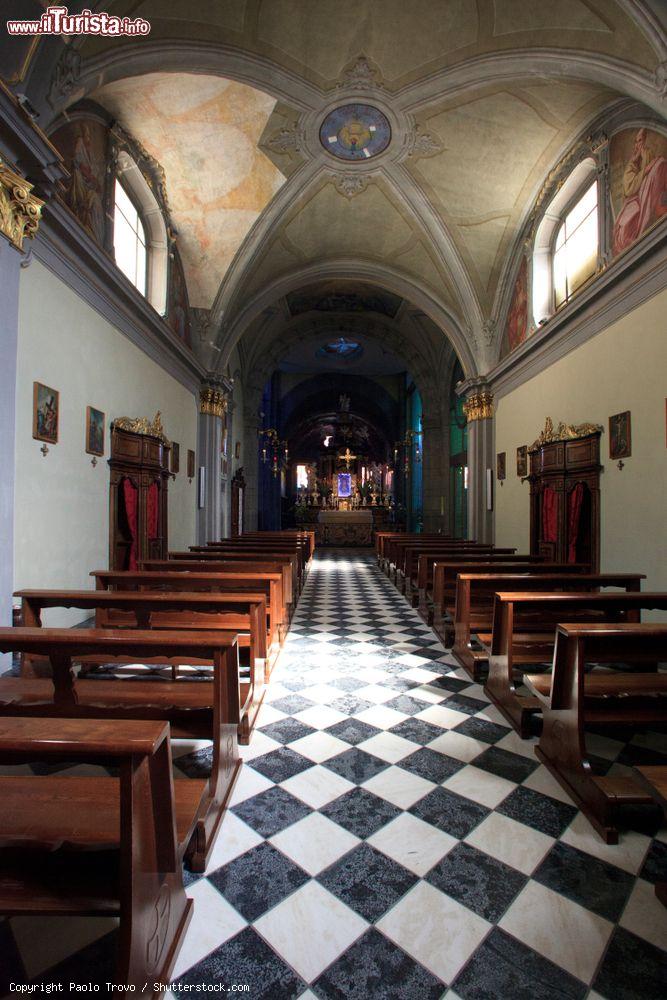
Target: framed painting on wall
x=175 y=457
x=522 y=460
x=501 y=465
x=237 y=446
x=620 y=440
x=191 y=464
x=45 y=413
x=94 y=431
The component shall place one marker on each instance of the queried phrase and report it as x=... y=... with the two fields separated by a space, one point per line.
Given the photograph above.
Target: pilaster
x=212 y=407
x=436 y=480
x=479 y=412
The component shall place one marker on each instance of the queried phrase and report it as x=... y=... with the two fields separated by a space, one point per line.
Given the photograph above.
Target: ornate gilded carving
x=212 y=401
x=142 y=425
x=563 y=432
x=479 y=406
x=20 y=211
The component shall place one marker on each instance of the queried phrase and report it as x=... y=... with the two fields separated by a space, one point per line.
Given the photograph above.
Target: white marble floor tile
x=316 y=786
x=558 y=928
x=475 y=691
x=628 y=854
x=248 y=783
x=214 y=921
x=320 y=716
x=542 y=780
x=458 y=745
x=381 y=716
x=442 y=716
x=480 y=786
x=435 y=929
x=235 y=838
x=323 y=694
x=310 y=929
x=491 y=714
x=260 y=744
x=514 y=744
x=269 y=714
x=514 y=843
x=388 y=746
x=376 y=694
x=420 y=674
x=411 y=842
x=431 y=695
x=645 y=915
x=399 y=787
x=414 y=660
x=314 y=842
x=319 y=746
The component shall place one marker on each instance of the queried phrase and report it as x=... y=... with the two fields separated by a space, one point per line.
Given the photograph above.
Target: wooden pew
x=572 y=700
x=524 y=627
x=166 y=610
x=256 y=560
x=233 y=589
x=446 y=571
x=288 y=533
x=194 y=709
x=407 y=573
x=427 y=560
x=196 y=563
x=654 y=780
x=252 y=575
x=396 y=546
x=474 y=603
x=385 y=540
x=100 y=846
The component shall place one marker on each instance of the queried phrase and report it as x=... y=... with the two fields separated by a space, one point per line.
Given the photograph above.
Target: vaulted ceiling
x=483 y=97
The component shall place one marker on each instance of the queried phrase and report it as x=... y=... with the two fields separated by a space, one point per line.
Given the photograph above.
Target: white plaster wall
x=61 y=500
x=622 y=368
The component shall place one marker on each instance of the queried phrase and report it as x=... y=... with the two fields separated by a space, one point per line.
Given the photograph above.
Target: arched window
x=140 y=235
x=566 y=249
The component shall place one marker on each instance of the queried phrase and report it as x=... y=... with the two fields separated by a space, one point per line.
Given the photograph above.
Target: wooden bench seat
x=408 y=574
x=654 y=780
x=228 y=562
x=474 y=603
x=575 y=700
x=100 y=846
x=283 y=552
x=515 y=642
x=198 y=709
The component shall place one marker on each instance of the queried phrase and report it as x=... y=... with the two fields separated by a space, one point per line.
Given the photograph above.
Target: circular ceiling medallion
x=355 y=132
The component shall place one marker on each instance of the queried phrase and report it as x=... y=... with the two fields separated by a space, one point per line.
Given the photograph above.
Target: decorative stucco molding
x=20 y=211
x=361 y=75
x=287 y=139
x=350 y=184
x=419 y=142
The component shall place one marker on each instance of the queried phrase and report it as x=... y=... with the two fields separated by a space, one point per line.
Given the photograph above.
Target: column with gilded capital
x=478 y=409
x=212 y=407
x=436 y=498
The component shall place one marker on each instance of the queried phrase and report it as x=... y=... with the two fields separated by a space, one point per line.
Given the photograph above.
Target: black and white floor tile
x=390 y=837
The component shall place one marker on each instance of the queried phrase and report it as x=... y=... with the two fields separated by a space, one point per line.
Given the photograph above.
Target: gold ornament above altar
x=563 y=432
x=142 y=425
x=20 y=211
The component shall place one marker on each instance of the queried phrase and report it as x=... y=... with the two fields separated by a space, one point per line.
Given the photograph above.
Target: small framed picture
x=522 y=460
x=191 y=464
x=94 y=431
x=175 y=457
x=237 y=447
x=45 y=413
x=620 y=439
x=500 y=465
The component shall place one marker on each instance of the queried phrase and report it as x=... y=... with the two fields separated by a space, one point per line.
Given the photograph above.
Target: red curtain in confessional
x=574 y=502
x=549 y=515
x=131 y=497
x=152 y=510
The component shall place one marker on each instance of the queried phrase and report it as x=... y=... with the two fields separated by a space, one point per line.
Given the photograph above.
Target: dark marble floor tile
x=480 y=729
x=95 y=964
x=505 y=764
x=632 y=969
x=287 y=730
x=503 y=968
x=429 y=654
x=360 y=812
x=349 y=704
x=356 y=765
x=449 y=683
x=450 y=812
x=245 y=959
x=417 y=730
x=279 y=765
x=196 y=764
x=600 y=887
x=469 y=706
x=539 y=811
x=431 y=764
x=481 y=883
x=353 y=731
x=376 y=969
x=257 y=880
x=655 y=863
x=368 y=881
x=347 y=683
x=405 y=704
x=271 y=811
x=292 y=703
x=11 y=966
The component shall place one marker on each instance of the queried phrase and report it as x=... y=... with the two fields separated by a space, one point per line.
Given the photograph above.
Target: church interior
x=333 y=431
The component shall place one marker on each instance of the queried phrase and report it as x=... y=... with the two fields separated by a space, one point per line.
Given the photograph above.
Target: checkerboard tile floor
x=390 y=837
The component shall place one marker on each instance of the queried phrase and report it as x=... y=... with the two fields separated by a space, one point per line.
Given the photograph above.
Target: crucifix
x=347 y=457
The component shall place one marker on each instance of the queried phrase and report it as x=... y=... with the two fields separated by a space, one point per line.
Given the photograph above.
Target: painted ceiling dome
x=355 y=132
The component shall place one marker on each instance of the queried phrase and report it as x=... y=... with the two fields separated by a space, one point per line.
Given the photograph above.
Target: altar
x=344 y=527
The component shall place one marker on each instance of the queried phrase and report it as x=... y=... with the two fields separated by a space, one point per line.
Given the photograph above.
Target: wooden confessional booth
x=139 y=467
x=565 y=494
